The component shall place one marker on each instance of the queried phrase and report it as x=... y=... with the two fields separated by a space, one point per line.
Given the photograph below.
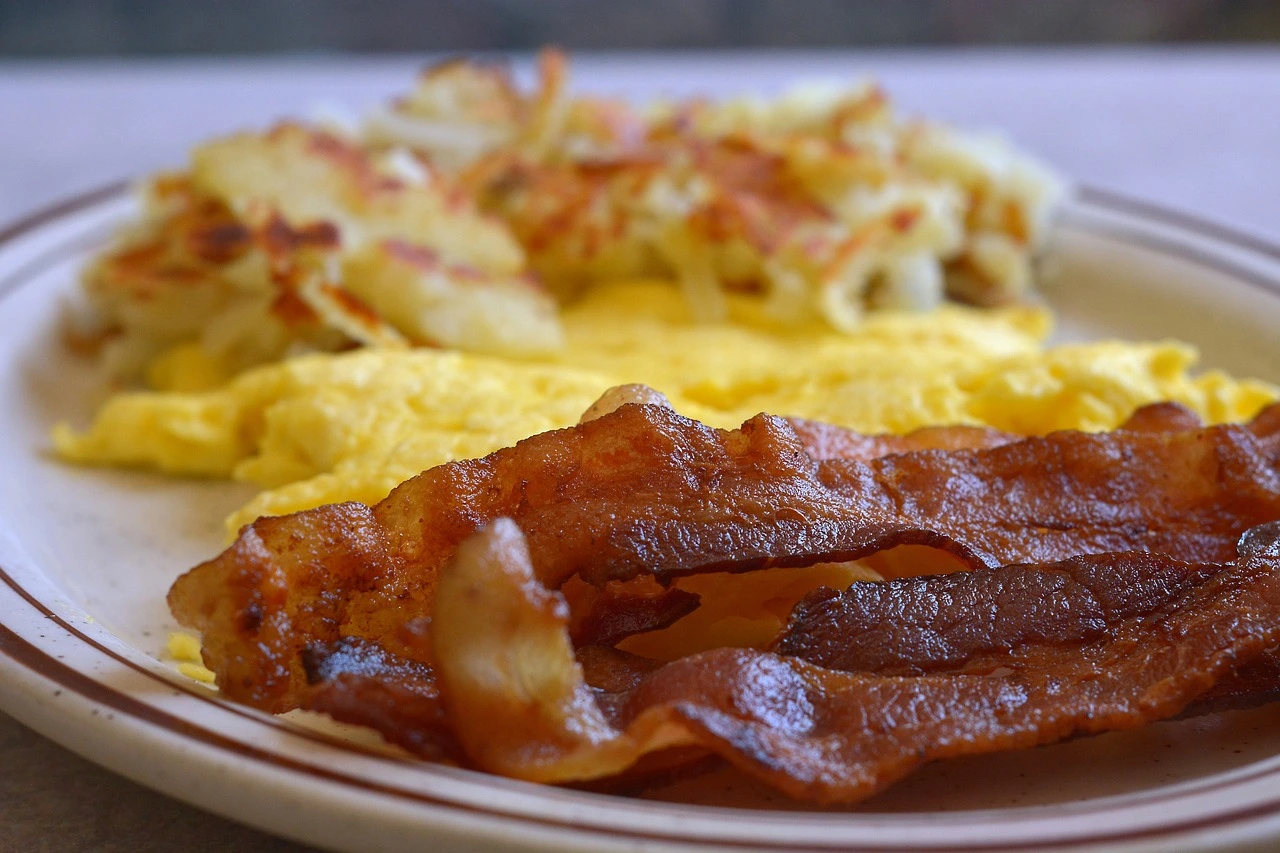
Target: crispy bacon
x=828 y=441
x=643 y=491
x=910 y=626
x=605 y=615
x=1253 y=684
x=1266 y=426
x=1169 y=631
x=612 y=670
x=1162 y=417
x=824 y=441
x=288 y=583
x=358 y=681
x=835 y=629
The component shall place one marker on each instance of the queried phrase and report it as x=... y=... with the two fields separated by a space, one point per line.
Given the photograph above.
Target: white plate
x=86 y=557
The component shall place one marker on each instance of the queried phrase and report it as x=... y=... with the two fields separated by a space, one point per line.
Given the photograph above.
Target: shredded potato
x=455 y=215
x=295 y=240
x=821 y=200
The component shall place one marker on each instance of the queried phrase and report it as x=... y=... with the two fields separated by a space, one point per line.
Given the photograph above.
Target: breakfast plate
x=86 y=556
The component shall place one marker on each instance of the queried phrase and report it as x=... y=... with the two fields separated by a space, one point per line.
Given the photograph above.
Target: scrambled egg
x=185 y=650
x=326 y=428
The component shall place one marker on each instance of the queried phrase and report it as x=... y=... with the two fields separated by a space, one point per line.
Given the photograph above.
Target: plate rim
x=22 y=653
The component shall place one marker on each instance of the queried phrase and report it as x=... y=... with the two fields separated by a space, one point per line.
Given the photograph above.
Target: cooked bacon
x=1256 y=683
x=358 y=681
x=643 y=491
x=824 y=441
x=1253 y=684
x=910 y=626
x=288 y=583
x=828 y=441
x=830 y=736
x=605 y=615
x=612 y=670
x=1266 y=426
x=1162 y=417
x=834 y=629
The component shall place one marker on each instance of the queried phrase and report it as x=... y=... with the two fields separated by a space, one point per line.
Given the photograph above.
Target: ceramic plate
x=86 y=557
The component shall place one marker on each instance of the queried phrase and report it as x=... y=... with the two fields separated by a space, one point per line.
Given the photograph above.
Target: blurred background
x=74 y=28
x=1176 y=101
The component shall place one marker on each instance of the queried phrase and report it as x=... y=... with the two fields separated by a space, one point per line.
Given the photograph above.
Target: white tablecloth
x=1197 y=130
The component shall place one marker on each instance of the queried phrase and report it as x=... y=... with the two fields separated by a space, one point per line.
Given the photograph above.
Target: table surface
x=1193 y=129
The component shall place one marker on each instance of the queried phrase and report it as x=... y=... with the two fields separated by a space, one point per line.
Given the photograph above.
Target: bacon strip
x=904 y=626
x=358 y=681
x=824 y=441
x=1266 y=424
x=1170 y=632
x=910 y=626
x=828 y=441
x=900 y=627
x=643 y=491
x=1253 y=684
x=1162 y=417
x=614 y=612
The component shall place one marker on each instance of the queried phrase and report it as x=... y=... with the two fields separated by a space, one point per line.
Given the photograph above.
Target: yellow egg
x=326 y=428
x=184 y=647
x=197 y=672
